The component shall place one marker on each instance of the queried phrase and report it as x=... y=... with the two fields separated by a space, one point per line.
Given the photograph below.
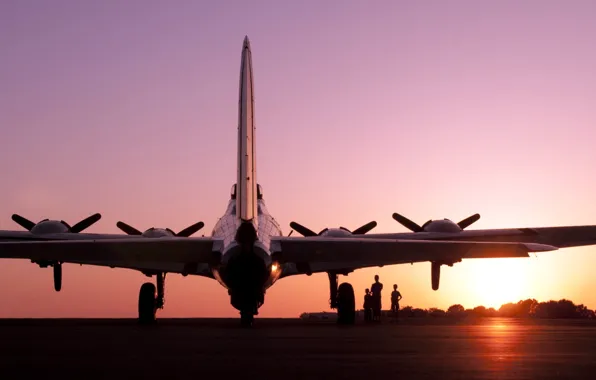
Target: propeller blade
x=23 y=222
x=364 y=229
x=407 y=223
x=85 y=223
x=302 y=230
x=128 y=229
x=469 y=220
x=190 y=229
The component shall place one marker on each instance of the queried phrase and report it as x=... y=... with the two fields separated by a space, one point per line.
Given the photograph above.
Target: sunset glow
x=498 y=281
x=430 y=109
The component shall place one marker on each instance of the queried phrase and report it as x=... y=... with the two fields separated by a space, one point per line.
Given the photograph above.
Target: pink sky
x=431 y=109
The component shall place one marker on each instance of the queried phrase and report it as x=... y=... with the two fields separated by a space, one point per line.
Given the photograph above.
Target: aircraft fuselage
x=246 y=268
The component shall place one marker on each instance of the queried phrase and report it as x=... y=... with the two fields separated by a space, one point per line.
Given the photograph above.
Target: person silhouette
x=368 y=304
x=395 y=298
x=376 y=289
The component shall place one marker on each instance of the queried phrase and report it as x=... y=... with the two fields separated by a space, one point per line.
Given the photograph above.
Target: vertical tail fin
x=246 y=185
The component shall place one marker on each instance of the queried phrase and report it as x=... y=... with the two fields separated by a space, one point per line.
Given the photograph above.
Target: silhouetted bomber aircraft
x=247 y=252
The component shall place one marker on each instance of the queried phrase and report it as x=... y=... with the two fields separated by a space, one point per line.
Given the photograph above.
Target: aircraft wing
x=560 y=237
x=28 y=236
x=321 y=254
x=186 y=255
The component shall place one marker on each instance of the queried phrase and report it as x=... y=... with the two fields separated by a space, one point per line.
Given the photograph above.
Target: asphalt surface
x=288 y=349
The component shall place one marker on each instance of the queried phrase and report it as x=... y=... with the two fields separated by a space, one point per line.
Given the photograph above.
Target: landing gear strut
x=332 y=289
x=161 y=284
x=342 y=298
x=151 y=298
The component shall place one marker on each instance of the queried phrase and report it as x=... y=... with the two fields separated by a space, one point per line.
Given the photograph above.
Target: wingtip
x=537 y=247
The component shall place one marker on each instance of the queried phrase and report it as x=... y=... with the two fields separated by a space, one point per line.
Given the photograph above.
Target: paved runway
x=288 y=349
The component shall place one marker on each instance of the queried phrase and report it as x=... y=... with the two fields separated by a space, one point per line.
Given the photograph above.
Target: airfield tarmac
x=290 y=348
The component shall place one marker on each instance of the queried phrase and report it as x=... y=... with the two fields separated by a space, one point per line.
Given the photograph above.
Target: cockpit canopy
x=259 y=192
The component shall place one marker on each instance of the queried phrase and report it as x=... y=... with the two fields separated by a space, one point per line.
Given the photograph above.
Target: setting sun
x=499 y=281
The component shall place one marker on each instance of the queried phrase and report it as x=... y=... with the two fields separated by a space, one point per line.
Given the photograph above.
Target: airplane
x=247 y=252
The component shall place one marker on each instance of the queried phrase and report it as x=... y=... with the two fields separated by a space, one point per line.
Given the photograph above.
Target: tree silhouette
x=456 y=311
x=529 y=308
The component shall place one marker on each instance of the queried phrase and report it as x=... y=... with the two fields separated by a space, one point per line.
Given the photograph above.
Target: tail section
x=246 y=188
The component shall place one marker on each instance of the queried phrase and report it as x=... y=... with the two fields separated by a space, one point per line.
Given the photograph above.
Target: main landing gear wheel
x=346 y=304
x=151 y=298
x=147 y=306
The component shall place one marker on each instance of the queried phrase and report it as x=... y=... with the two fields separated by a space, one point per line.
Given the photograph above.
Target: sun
x=495 y=282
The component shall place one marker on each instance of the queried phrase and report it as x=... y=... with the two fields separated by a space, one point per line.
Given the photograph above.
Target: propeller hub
x=333 y=232
x=157 y=233
x=336 y=232
x=444 y=225
x=160 y=232
x=50 y=227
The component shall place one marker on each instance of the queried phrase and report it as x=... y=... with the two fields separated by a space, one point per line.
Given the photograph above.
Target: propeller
x=469 y=220
x=412 y=226
x=85 y=223
x=129 y=230
x=305 y=231
x=363 y=229
x=23 y=222
x=78 y=227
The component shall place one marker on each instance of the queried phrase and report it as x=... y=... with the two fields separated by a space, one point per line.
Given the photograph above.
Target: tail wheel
x=147 y=299
x=346 y=304
x=246 y=319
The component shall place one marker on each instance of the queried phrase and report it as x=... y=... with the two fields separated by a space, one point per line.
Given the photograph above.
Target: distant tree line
x=529 y=308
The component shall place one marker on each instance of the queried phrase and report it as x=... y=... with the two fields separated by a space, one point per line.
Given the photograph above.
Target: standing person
x=395 y=298
x=375 y=289
x=368 y=304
